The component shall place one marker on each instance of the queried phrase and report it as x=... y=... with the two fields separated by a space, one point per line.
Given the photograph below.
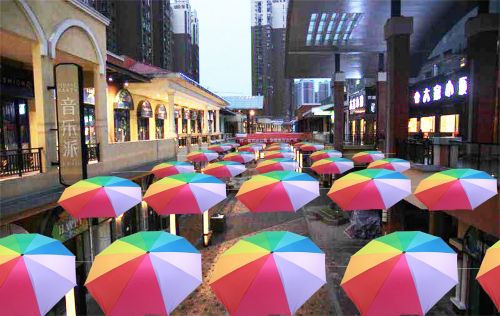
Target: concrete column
x=101 y=112
x=482 y=55
x=338 y=101
x=172 y=133
x=381 y=109
x=397 y=31
x=217 y=121
x=179 y=123
x=205 y=120
x=188 y=128
x=43 y=77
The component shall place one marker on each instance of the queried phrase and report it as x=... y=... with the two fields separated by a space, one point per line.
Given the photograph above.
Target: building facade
x=268 y=51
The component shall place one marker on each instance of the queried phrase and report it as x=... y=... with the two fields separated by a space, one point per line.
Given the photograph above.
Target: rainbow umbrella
x=233 y=145
x=170 y=168
x=274 y=148
x=202 y=156
x=367 y=156
x=312 y=147
x=35 y=273
x=278 y=154
x=489 y=273
x=248 y=148
x=325 y=153
x=241 y=157
x=370 y=189
x=403 y=273
x=456 y=189
x=298 y=144
x=224 y=169
x=103 y=196
x=147 y=273
x=271 y=273
x=396 y=164
x=220 y=148
x=185 y=193
x=278 y=191
x=276 y=164
x=332 y=165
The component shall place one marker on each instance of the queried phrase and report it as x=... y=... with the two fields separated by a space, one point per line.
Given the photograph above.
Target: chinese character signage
x=72 y=165
x=363 y=101
x=439 y=90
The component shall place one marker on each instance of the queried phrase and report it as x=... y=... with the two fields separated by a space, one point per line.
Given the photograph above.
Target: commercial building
x=268 y=51
x=70 y=110
x=248 y=108
x=186 y=39
x=324 y=91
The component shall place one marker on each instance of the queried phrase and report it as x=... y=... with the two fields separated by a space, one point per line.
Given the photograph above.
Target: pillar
x=381 y=109
x=397 y=31
x=205 y=120
x=171 y=132
x=43 y=77
x=338 y=101
x=101 y=111
x=483 y=107
x=217 y=121
x=188 y=127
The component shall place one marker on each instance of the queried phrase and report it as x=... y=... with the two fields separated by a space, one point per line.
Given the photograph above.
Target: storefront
x=438 y=106
x=123 y=104
x=160 y=117
x=362 y=116
x=144 y=113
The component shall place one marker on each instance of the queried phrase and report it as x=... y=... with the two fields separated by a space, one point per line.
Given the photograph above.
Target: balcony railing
x=20 y=161
x=418 y=151
x=360 y=139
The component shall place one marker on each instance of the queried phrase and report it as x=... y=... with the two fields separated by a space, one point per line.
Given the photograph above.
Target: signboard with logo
x=438 y=90
x=68 y=227
x=70 y=125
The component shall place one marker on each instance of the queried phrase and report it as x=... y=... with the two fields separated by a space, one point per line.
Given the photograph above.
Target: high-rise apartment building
x=304 y=92
x=268 y=56
x=186 y=39
x=324 y=90
x=162 y=35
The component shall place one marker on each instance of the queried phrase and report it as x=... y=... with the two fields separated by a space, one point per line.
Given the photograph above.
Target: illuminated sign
x=434 y=92
x=363 y=101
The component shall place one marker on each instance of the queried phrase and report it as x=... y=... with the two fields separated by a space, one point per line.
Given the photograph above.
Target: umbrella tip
x=148 y=251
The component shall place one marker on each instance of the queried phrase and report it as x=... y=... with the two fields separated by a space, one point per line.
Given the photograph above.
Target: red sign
x=271 y=137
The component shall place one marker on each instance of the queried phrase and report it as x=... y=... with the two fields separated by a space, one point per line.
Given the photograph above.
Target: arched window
x=144 y=113
x=161 y=115
x=122 y=105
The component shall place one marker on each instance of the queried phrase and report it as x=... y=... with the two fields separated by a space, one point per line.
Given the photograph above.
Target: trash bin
x=218 y=223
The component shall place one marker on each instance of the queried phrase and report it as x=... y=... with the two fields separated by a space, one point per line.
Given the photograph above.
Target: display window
x=449 y=123
x=413 y=125
x=427 y=124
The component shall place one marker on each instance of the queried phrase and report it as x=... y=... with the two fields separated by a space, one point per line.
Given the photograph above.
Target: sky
x=225 y=52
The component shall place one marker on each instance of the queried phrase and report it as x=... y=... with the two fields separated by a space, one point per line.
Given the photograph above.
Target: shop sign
x=89 y=96
x=145 y=109
x=15 y=81
x=440 y=90
x=161 y=112
x=123 y=100
x=68 y=227
x=69 y=92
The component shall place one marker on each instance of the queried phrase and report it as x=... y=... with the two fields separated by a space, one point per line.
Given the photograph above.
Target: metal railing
x=418 y=151
x=360 y=139
x=93 y=154
x=19 y=161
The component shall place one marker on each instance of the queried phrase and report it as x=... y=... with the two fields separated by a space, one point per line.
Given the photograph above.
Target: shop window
x=161 y=115
x=89 y=121
x=449 y=123
x=123 y=104
x=14 y=124
x=413 y=125
x=144 y=113
x=427 y=124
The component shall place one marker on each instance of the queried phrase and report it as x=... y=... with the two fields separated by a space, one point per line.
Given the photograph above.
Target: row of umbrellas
x=270 y=273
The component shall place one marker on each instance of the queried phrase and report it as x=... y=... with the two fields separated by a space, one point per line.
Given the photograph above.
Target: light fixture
x=125 y=83
x=110 y=79
x=252 y=112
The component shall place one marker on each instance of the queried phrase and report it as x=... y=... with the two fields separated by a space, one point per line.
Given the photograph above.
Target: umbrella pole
x=206 y=229
x=70 y=303
x=91 y=238
x=173 y=224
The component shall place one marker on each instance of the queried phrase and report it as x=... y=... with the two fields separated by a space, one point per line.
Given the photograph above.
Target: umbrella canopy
x=332 y=165
x=241 y=157
x=233 y=145
x=248 y=148
x=298 y=144
x=170 y=168
x=220 y=148
x=186 y=193
x=312 y=147
x=489 y=273
x=276 y=164
x=103 y=196
x=367 y=156
x=403 y=273
x=370 y=189
x=325 y=153
x=202 y=156
x=278 y=154
x=35 y=273
x=277 y=147
x=395 y=164
x=456 y=189
x=278 y=191
x=271 y=273
x=224 y=169
x=147 y=273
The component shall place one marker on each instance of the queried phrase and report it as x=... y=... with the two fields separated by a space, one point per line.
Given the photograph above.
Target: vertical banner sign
x=69 y=92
